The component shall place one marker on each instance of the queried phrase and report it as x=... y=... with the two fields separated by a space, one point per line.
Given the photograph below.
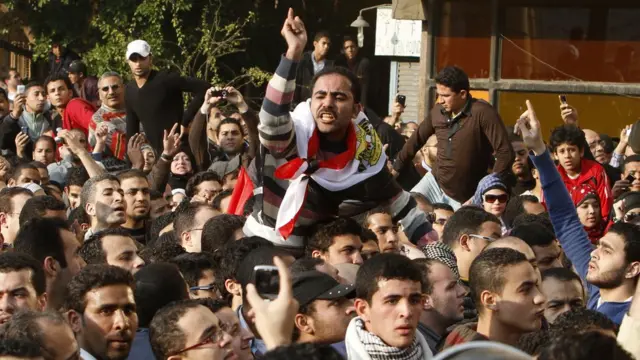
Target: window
x=464 y=39
x=602 y=113
x=589 y=44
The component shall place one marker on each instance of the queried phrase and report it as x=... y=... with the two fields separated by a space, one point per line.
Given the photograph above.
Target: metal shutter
x=406 y=83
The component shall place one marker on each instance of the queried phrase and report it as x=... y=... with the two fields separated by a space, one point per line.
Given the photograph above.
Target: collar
x=258 y=347
x=600 y=302
x=85 y=355
x=466 y=110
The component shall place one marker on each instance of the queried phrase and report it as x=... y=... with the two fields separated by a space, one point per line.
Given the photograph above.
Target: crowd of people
x=134 y=226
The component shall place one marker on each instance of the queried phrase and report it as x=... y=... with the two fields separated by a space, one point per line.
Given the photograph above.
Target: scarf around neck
x=362 y=159
x=378 y=350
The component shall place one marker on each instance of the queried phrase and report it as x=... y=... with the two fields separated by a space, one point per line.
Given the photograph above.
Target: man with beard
x=112 y=112
x=27 y=121
x=99 y=301
x=136 y=190
x=520 y=167
x=611 y=270
x=112 y=247
x=326 y=308
x=53 y=245
x=22 y=285
x=73 y=113
x=103 y=200
x=235 y=151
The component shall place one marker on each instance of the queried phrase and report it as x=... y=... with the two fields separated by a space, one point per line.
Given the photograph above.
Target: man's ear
x=303 y=324
x=489 y=300
x=42 y=301
x=74 y=320
x=50 y=267
x=464 y=242
x=3 y=220
x=11 y=182
x=90 y=209
x=464 y=94
x=233 y=287
x=316 y=254
x=428 y=303
x=632 y=270
x=362 y=309
x=185 y=239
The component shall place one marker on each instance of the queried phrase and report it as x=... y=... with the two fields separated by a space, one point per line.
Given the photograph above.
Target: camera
x=220 y=93
x=267 y=281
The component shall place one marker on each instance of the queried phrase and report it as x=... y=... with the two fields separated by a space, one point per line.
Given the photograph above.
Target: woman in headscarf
x=587 y=203
x=492 y=195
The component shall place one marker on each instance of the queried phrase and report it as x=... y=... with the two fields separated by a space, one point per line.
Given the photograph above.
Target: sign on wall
x=397 y=37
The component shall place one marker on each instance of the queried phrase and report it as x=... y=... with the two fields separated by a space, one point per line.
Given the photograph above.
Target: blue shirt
x=141 y=347
x=258 y=347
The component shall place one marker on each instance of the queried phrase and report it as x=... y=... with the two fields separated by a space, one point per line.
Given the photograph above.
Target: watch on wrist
x=166 y=157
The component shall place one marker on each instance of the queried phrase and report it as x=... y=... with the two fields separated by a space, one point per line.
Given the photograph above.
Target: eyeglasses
x=212 y=339
x=112 y=87
x=502 y=198
x=204 y=287
x=487 y=238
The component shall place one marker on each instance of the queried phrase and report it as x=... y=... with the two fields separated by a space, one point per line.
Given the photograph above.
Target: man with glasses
x=112 y=112
x=112 y=247
x=189 y=223
x=197 y=269
x=439 y=217
x=188 y=330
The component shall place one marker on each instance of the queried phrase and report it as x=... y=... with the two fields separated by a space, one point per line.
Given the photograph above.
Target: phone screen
x=267 y=281
x=563 y=99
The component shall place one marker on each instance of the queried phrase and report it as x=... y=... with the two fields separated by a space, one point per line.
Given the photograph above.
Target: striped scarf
x=378 y=350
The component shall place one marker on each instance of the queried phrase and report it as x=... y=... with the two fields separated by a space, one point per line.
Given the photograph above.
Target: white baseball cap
x=139 y=47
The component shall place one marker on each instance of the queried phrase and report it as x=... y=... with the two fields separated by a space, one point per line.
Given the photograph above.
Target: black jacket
x=304 y=75
x=9 y=129
x=61 y=65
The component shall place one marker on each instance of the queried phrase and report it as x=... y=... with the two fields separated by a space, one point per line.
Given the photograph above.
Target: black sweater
x=158 y=104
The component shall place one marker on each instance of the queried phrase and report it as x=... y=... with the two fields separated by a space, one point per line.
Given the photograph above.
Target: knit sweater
x=571 y=233
x=278 y=143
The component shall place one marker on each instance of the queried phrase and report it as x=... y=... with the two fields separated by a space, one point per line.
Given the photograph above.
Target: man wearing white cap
x=154 y=98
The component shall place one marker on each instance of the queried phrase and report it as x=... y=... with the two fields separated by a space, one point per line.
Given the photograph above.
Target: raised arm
x=414 y=144
x=72 y=142
x=276 y=129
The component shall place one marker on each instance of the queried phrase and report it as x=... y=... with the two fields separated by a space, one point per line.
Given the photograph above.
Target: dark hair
x=581 y=320
x=631 y=235
x=349 y=38
x=442 y=206
x=377 y=210
x=157 y=225
x=231 y=120
x=562 y=274
x=488 y=269
x=530 y=198
x=157 y=285
x=132 y=174
x=93 y=277
x=534 y=234
x=198 y=179
x=540 y=219
x=92 y=251
x=79 y=66
x=321 y=34
x=15 y=261
x=323 y=237
x=513 y=208
x=6 y=197
x=467 y=220
x=165 y=335
x=193 y=265
x=260 y=256
x=248 y=206
x=48 y=139
x=58 y=77
x=425 y=267
x=22 y=348
x=567 y=134
x=338 y=70
x=88 y=193
x=305 y=264
x=185 y=219
x=632 y=158
x=165 y=248
x=454 y=78
x=77 y=176
x=591 y=345
x=307 y=351
x=155 y=195
x=33 y=84
x=80 y=215
x=217 y=200
x=17 y=171
x=30 y=325
x=37 y=207
x=220 y=230
x=389 y=267
x=40 y=237
x=532 y=343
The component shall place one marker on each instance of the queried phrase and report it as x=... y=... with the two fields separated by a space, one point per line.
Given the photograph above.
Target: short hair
x=542 y=219
x=321 y=34
x=93 y=277
x=22 y=348
x=580 y=320
x=165 y=248
x=186 y=218
x=165 y=335
x=338 y=70
x=37 y=207
x=193 y=265
x=590 y=345
x=377 y=210
x=198 y=179
x=89 y=189
x=467 y=220
x=425 y=268
x=561 y=274
x=567 y=134
x=17 y=171
x=630 y=233
x=40 y=238
x=259 y=256
x=488 y=269
x=15 y=261
x=132 y=174
x=220 y=230
x=305 y=264
x=325 y=233
x=58 y=77
x=81 y=67
x=157 y=285
x=80 y=215
x=6 y=197
x=530 y=198
x=233 y=121
x=442 y=206
x=307 y=351
x=28 y=325
x=534 y=234
x=77 y=176
x=158 y=224
x=92 y=251
x=454 y=78
x=110 y=74
x=32 y=84
x=155 y=195
x=388 y=267
x=217 y=200
x=48 y=139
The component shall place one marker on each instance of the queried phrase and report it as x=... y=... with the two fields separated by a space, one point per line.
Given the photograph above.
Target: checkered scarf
x=443 y=253
x=378 y=350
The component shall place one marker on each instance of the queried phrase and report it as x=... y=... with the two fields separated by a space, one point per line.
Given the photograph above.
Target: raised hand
x=210 y=100
x=234 y=97
x=133 y=151
x=18 y=105
x=529 y=127
x=171 y=141
x=569 y=114
x=294 y=32
x=21 y=140
x=102 y=131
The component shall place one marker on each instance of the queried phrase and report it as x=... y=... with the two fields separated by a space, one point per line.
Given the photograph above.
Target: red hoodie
x=77 y=115
x=592 y=174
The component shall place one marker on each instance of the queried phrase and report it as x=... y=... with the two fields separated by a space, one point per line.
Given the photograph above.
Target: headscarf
x=489 y=182
x=580 y=194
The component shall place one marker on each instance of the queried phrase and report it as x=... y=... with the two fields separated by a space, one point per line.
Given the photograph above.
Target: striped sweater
x=278 y=145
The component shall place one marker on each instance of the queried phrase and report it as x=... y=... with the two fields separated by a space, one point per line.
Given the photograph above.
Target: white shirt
x=317 y=66
x=85 y=355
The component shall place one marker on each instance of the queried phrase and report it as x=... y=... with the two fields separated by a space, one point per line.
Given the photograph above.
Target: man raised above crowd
x=334 y=155
x=466 y=128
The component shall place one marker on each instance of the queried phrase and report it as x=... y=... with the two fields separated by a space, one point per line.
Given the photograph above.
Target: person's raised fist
x=294 y=32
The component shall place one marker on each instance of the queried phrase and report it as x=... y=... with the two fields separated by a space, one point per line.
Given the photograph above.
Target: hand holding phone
x=563 y=99
x=20 y=89
x=401 y=99
x=267 y=281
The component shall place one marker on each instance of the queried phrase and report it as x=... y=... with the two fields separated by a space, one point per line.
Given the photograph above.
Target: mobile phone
x=58 y=139
x=401 y=99
x=267 y=281
x=25 y=130
x=20 y=89
x=629 y=131
x=220 y=93
x=563 y=99
x=630 y=178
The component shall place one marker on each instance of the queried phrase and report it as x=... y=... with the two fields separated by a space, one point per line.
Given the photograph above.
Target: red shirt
x=77 y=115
x=593 y=174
